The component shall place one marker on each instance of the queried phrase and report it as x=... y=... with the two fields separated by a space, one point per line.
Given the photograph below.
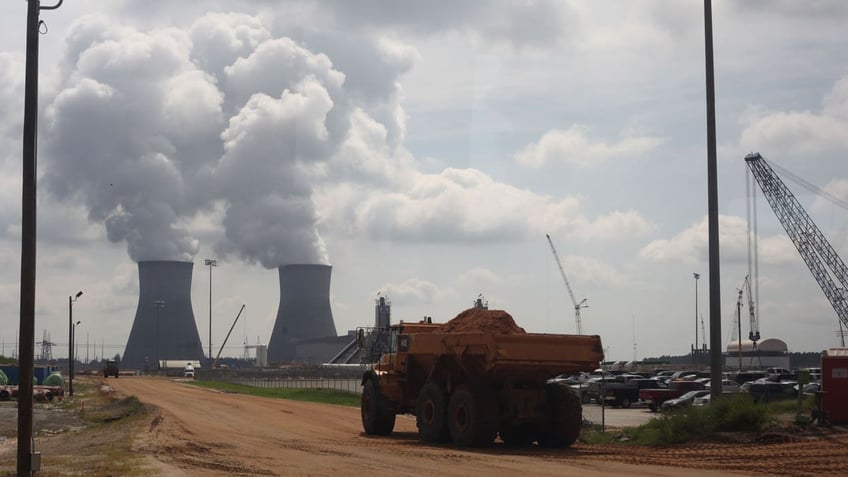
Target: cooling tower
x=164 y=326
x=304 y=311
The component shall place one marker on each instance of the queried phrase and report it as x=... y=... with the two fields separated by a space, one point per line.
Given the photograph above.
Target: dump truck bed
x=532 y=354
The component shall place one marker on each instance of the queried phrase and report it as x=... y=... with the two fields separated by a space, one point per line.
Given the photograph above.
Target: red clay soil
x=479 y=320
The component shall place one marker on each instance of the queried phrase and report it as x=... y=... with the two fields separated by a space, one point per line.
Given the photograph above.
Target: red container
x=834 y=366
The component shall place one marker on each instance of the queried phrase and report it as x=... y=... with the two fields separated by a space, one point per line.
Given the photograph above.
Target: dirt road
x=202 y=432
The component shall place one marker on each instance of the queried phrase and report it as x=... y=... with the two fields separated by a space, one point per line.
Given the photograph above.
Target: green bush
x=737 y=413
x=731 y=413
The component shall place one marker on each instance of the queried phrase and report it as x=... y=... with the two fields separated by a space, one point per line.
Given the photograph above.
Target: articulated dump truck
x=477 y=377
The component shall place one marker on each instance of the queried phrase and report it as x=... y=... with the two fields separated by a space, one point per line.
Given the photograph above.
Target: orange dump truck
x=477 y=377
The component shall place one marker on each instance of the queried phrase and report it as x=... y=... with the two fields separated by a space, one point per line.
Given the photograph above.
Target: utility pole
x=27 y=461
x=210 y=262
x=712 y=209
x=697 y=276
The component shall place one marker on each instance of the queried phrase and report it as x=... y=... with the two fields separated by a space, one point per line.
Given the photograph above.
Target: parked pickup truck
x=655 y=397
x=625 y=394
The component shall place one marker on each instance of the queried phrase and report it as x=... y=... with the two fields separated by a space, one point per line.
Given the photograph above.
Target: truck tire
x=565 y=417
x=377 y=418
x=517 y=435
x=625 y=402
x=431 y=413
x=653 y=407
x=472 y=417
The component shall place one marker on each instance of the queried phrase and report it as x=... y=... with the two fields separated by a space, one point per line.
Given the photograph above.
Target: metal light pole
x=27 y=460
x=210 y=262
x=73 y=338
x=712 y=209
x=697 y=276
x=160 y=304
x=71 y=300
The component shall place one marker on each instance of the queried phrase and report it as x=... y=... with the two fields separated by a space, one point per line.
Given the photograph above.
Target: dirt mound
x=479 y=320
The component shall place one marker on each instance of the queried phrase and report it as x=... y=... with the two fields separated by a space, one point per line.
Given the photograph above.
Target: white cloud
x=801 y=132
x=412 y=291
x=575 y=146
x=690 y=245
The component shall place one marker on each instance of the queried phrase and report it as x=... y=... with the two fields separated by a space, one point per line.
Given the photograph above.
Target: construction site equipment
x=822 y=260
x=111 y=369
x=577 y=306
x=468 y=387
x=218 y=356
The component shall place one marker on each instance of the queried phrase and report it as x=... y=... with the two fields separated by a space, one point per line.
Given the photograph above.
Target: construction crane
x=754 y=334
x=822 y=260
x=577 y=306
x=218 y=356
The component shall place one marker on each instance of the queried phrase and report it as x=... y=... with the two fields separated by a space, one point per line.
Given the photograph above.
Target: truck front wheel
x=565 y=417
x=431 y=414
x=472 y=417
x=377 y=418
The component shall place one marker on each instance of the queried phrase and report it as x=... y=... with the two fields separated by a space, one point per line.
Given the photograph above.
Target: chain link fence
x=351 y=385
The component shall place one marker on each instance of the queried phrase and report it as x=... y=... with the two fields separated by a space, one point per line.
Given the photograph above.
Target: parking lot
x=617 y=417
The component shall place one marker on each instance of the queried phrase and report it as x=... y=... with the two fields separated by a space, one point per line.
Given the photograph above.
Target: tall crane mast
x=818 y=254
x=754 y=334
x=577 y=306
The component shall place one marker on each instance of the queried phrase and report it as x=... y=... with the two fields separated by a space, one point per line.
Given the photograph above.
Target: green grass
x=326 y=396
x=737 y=413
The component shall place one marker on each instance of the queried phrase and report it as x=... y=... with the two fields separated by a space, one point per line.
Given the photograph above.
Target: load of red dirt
x=479 y=320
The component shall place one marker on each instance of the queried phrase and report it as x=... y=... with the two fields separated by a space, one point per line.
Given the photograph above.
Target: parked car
x=684 y=400
x=656 y=397
x=626 y=394
x=702 y=400
x=188 y=371
x=767 y=391
x=568 y=379
x=727 y=386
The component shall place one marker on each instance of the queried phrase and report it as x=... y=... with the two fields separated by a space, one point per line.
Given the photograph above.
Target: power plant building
x=164 y=327
x=304 y=313
x=768 y=353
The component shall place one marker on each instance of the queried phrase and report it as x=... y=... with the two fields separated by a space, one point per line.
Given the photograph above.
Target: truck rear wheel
x=472 y=417
x=377 y=418
x=431 y=414
x=565 y=417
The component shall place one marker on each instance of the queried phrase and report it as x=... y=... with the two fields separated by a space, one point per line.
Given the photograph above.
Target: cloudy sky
x=424 y=152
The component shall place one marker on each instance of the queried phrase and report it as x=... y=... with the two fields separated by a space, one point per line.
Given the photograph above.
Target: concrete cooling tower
x=164 y=326
x=304 y=311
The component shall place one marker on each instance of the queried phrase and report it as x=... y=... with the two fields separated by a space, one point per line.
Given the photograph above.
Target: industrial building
x=164 y=327
x=765 y=353
x=304 y=312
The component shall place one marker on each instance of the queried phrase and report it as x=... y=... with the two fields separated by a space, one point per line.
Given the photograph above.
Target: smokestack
x=304 y=311
x=164 y=326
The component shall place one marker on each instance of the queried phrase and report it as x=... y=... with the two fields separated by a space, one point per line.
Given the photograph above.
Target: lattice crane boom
x=577 y=306
x=822 y=260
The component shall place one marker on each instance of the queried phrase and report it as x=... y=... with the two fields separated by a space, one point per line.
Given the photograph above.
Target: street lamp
x=160 y=304
x=71 y=300
x=697 y=276
x=210 y=262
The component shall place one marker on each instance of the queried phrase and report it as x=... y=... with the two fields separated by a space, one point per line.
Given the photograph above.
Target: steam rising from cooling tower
x=163 y=330
x=304 y=311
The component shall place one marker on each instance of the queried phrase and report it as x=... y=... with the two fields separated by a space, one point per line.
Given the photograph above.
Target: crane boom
x=821 y=258
x=218 y=356
x=577 y=306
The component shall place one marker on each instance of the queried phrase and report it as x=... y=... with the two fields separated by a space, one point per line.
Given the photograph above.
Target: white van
x=189 y=371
